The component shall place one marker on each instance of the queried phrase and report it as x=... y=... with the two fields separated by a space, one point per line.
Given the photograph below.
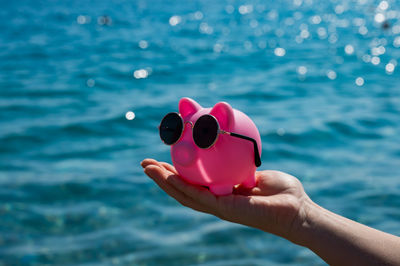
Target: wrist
x=302 y=230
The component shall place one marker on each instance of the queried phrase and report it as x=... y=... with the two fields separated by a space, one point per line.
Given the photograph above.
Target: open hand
x=278 y=203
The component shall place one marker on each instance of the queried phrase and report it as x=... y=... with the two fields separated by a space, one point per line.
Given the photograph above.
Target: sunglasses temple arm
x=257 y=158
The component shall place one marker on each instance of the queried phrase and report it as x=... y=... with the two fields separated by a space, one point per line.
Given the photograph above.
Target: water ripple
x=319 y=81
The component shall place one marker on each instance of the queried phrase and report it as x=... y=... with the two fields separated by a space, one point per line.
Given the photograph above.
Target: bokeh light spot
x=349 y=49
x=175 y=20
x=331 y=74
x=90 y=83
x=130 y=115
x=379 y=17
x=140 y=74
x=359 y=81
x=389 y=68
x=279 y=51
x=143 y=44
x=302 y=70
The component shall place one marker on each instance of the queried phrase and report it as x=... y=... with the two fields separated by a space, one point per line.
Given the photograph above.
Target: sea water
x=84 y=84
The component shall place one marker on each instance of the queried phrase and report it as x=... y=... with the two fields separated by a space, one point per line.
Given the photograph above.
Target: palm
x=274 y=205
x=276 y=201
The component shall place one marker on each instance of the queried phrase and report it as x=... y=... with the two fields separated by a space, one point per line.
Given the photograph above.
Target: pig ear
x=188 y=107
x=224 y=114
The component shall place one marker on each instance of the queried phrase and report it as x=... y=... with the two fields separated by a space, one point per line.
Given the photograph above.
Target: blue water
x=319 y=78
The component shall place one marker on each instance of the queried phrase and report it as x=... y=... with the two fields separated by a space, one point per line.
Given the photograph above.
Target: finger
x=159 y=176
x=207 y=202
x=254 y=191
x=273 y=182
x=268 y=183
x=147 y=162
x=198 y=194
x=169 y=167
x=233 y=207
x=245 y=191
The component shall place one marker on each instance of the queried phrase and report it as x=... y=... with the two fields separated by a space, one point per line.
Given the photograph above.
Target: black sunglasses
x=205 y=132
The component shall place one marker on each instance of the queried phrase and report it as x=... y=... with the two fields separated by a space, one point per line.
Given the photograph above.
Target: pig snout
x=184 y=153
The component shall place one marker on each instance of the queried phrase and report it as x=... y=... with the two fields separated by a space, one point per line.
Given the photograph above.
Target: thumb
x=245 y=191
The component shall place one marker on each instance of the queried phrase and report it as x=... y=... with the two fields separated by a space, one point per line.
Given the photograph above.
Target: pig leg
x=220 y=190
x=250 y=182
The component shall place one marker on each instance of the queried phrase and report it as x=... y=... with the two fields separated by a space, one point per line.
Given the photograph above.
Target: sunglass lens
x=205 y=131
x=171 y=128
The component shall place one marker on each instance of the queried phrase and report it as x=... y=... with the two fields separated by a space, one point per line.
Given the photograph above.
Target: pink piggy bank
x=217 y=147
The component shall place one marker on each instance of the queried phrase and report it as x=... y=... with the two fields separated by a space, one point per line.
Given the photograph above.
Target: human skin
x=279 y=205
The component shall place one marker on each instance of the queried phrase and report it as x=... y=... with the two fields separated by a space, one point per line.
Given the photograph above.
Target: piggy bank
x=217 y=147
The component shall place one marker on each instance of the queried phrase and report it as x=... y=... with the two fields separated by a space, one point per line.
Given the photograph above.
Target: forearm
x=340 y=241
